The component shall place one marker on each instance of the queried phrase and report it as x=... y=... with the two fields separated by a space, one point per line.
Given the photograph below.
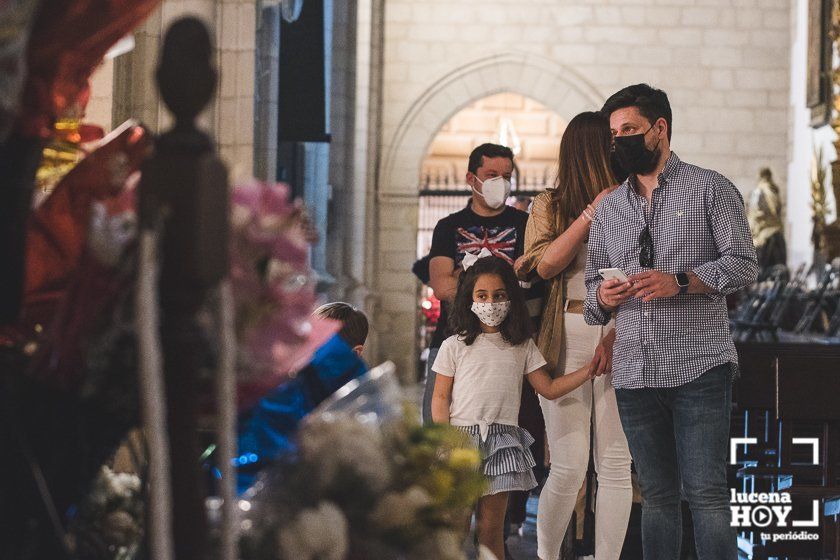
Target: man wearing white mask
x=486 y=222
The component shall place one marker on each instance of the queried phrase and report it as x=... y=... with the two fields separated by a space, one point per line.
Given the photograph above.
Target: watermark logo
x=773 y=510
x=762 y=509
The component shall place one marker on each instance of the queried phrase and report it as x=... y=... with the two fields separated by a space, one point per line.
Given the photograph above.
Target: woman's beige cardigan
x=545 y=224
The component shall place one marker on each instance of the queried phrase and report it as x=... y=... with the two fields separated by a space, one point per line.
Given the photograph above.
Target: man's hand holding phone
x=652 y=284
x=614 y=290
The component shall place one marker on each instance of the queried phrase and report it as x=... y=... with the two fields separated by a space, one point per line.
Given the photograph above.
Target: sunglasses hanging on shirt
x=645 y=248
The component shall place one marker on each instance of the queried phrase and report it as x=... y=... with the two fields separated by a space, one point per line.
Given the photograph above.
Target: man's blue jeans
x=679 y=440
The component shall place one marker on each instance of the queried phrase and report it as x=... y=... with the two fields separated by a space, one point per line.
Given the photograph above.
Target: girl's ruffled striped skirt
x=506 y=458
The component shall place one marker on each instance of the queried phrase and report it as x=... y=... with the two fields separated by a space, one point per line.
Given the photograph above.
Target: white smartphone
x=612 y=274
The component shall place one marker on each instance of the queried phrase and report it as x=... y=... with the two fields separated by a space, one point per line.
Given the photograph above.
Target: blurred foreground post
x=184 y=199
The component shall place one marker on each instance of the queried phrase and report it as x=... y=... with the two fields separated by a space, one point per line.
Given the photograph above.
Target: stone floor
x=524 y=545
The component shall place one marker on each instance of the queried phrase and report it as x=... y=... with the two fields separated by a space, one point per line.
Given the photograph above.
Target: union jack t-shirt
x=466 y=232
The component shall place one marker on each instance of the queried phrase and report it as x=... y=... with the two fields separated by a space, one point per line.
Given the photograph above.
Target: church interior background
x=368 y=109
x=398 y=73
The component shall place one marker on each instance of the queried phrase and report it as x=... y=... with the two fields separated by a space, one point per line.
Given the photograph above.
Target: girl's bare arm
x=442 y=398
x=555 y=388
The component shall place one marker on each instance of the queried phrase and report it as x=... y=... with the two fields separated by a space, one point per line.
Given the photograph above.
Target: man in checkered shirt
x=680 y=234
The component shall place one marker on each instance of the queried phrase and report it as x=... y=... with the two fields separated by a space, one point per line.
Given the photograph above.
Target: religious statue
x=764 y=212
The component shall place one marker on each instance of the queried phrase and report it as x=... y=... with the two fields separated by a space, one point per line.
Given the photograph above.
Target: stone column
x=370 y=58
x=234 y=108
x=343 y=173
x=352 y=250
x=396 y=309
x=267 y=79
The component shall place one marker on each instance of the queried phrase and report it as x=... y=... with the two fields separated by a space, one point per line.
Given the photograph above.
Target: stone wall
x=101 y=101
x=230 y=116
x=724 y=64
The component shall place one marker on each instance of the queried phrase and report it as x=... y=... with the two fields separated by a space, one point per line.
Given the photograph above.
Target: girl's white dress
x=486 y=393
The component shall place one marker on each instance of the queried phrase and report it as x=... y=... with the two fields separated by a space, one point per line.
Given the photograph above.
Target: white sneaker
x=515 y=530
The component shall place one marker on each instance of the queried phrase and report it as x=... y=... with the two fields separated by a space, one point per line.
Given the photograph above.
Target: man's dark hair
x=354 y=323
x=487 y=150
x=653 y=103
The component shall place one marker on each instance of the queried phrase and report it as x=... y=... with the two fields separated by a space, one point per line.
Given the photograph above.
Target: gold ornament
x=60 y=155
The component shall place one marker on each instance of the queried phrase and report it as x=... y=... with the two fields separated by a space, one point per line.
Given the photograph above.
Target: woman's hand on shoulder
x=602 y=195
x=519 y=267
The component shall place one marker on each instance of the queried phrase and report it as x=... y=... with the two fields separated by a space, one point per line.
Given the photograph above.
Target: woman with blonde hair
x=555 y=247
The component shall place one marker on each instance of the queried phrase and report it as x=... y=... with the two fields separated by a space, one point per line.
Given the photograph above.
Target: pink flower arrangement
x=274 y=291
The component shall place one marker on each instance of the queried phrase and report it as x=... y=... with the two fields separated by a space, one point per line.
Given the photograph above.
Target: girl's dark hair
x=515 y=329
x=583 y=164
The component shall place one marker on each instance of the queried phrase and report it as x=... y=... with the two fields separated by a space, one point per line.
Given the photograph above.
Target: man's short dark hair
x=487 y=150
x=354 y=323
x=652 y=103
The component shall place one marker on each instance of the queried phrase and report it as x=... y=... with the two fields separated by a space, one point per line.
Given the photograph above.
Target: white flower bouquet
x=109 y=523
x=368 y=481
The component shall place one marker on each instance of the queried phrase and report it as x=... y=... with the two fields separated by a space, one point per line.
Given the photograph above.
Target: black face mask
x=617 y=169
x=633 y=156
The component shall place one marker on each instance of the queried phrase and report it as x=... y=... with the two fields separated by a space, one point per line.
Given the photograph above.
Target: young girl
x=479 y=383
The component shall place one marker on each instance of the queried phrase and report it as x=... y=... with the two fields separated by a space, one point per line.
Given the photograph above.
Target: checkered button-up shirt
x=698 y=224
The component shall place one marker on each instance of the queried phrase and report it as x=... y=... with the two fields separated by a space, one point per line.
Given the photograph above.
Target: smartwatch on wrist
x=682 y=282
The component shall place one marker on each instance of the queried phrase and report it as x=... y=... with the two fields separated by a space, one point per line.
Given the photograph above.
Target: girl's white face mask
x=491 y=313
x=495 y=191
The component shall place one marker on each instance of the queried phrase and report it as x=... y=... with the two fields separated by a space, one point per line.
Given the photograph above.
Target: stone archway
x=556 y=87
